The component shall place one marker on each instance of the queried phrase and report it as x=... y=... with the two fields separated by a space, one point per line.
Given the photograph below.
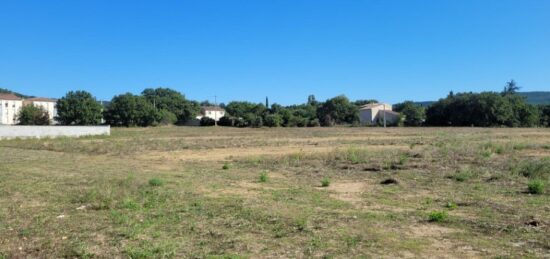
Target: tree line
x=163 y=106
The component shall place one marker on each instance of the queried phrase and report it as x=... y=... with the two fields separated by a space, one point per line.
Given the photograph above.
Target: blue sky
x=246 y=50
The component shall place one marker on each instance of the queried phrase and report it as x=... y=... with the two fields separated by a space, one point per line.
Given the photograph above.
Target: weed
x=451 y=205
x=301 y=224
x=263 y=177
x=437 y=216
x=462 y=175
x=325 y=182
x=536 y=186
x=403 y=158
x=352 y=241
x=155 y=182
x=225 y=166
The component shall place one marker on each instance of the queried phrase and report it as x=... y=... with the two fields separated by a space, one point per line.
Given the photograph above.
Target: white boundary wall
x=52 y=131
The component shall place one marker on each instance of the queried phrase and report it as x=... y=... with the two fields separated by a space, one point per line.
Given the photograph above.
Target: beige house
x=373 y=114
x=213 y=112
x=10 y=105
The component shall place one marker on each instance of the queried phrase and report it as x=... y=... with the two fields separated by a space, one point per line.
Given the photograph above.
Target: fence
x=52 y=131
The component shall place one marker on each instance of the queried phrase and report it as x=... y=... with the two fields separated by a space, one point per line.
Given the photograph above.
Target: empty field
x=287 y=192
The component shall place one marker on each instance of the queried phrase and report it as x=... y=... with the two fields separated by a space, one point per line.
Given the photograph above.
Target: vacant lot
x=315 y=192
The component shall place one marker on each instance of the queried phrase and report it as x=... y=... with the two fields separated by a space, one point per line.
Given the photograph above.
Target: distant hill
x=6 y=91
x=536 y=97
x=539 y=97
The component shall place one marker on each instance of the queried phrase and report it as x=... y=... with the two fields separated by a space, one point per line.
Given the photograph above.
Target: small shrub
x=536 y=186
x=155 y=182
x=225 y=166
x=325 y=182
x=263 y=177
x=206 y=122
x=437 y=216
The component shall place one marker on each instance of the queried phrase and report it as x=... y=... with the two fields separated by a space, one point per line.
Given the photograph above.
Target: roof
x=212 y=108
x=9 y=97
x=370 y=105
x=41 y=99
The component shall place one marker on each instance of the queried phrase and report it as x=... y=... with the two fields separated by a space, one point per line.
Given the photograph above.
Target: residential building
x=10 y=105
x=213 y=112
x=373 y=114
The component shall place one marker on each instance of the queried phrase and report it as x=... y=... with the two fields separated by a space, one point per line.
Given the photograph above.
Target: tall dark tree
x=311 y=100
x=266 y=102
x=511 y=87
x=78 y=108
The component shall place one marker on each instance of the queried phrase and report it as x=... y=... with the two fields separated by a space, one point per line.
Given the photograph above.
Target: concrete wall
x=52 y=131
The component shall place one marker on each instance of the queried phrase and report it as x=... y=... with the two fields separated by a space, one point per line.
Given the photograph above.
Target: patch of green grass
x=536 y=186
x=325 y=182
x=264 y=177
x=301 y=224
x=437 y=216
x=225 y=166
x=352 y=241
x=155 y=182
x=462 y=175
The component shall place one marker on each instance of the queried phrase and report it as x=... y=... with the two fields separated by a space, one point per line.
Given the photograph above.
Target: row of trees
x=166 y=106
x=335 y=111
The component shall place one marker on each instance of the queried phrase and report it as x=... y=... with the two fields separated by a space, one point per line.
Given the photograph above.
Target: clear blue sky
x=246 y=50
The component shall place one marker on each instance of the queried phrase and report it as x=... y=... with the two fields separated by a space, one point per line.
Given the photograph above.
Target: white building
x=213 y=112
x=373 y=114
x=45 y=103
x=10 y=105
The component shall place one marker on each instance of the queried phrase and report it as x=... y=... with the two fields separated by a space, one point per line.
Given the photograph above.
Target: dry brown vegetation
x=164 y=192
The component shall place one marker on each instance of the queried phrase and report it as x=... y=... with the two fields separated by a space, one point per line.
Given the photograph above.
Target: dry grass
x=162 y=192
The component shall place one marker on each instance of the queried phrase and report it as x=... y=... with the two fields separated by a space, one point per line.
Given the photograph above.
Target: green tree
x=414 y=115
x=544 y=111
x=486 y=109
x=131 y=110
x=241 y=109
x=33 y=115
x=273 y=120
x=172 y=101
x=78 y=108
x=337 y=110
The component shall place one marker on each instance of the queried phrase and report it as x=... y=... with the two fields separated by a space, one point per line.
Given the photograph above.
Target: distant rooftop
x=41 y=99
x=9 y=97
x=372 y=105
x=212 y=108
